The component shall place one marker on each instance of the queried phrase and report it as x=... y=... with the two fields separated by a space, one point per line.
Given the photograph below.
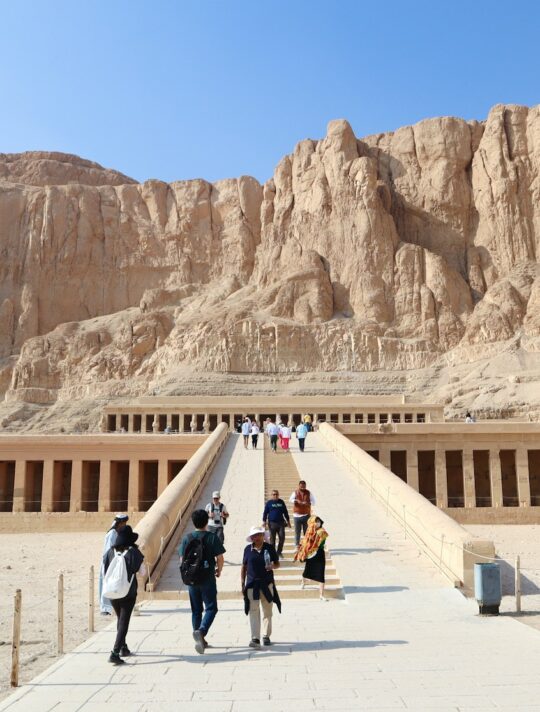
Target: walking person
x=273 y=432
x=217 y=516
x=258 y=586
x=285 y=433
x=312 y=553
x=118 y=523
x=301 y=434
x=124 y=546
x=255 y=430
x=201 y=554
x=302 y=500
x=246 y=428
x=277 y=517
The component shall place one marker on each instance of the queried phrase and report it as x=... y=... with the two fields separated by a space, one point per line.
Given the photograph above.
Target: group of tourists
x=201 y=555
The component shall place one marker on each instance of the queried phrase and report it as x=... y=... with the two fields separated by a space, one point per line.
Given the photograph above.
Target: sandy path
x=32 y=563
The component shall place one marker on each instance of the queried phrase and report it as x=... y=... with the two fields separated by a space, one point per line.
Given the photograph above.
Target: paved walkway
x=402 y=639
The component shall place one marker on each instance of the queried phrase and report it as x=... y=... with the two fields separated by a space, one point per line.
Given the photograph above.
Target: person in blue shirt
x=276 y=516
x=258 y=586
x=301 y=434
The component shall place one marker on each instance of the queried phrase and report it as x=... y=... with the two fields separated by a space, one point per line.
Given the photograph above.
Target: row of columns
x=441 y=481
x=76 y=489
x=376 y=417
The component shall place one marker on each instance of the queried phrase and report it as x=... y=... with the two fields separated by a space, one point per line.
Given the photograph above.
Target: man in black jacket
x=276 y=516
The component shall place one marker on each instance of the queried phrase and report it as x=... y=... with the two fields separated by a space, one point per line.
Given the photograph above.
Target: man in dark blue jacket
x=276 y=516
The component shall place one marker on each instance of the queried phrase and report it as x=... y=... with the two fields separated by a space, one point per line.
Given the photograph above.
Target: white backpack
x=115 y=582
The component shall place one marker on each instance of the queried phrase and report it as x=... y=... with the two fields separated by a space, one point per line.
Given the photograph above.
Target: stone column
x=168 y=423
x=412 y=468
x=206 y=423
x=155 y=423
x=441 y=482
x=496 y=479
x=134 y=486
x=468 y=478
x=522 y=472
x=193 y=422
x=103 y=423
x=329 y=417
x=163 y=472
x=231 y=422
x=384 y=456
x=104 y=497
x=340 y=418
x=257 y=418
x=130 y=423
x=47 y=504
x=19 y=486
x=75 y=504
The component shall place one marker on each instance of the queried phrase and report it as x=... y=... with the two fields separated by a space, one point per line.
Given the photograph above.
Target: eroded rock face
x=386 y=252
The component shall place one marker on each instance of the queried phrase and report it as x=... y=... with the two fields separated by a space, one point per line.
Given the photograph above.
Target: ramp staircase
x=280 y=473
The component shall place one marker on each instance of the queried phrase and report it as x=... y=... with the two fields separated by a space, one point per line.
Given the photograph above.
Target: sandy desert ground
x=32 y=563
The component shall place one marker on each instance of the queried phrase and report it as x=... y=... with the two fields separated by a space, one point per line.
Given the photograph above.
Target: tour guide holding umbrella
x=258 y=586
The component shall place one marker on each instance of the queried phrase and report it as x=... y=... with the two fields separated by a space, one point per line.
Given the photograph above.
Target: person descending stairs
x=281 y=475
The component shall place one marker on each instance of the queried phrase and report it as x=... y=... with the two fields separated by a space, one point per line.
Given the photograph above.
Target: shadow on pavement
x=373 y=589
x=353 y=552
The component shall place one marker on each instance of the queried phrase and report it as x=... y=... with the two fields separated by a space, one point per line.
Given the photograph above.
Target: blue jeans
x=203 y=596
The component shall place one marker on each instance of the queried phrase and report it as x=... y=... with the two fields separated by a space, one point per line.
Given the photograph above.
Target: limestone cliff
x=398 y=251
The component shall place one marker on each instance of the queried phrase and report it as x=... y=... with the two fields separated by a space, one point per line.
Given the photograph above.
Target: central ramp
x=238 y=475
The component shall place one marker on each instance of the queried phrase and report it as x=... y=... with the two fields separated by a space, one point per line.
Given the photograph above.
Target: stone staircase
x=280 y=473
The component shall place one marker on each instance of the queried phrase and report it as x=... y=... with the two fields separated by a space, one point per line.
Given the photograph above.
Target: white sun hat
x=253 y=531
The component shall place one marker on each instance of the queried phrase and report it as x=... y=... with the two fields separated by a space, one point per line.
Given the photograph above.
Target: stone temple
x=381 y=287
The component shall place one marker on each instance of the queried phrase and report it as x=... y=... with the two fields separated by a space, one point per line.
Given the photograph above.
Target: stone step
x=330 y=580
x=312 y=591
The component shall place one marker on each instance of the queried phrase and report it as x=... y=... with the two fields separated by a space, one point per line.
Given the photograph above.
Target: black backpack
x=192 y=569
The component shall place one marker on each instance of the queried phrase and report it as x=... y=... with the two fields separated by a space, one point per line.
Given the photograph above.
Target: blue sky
x=199 y=88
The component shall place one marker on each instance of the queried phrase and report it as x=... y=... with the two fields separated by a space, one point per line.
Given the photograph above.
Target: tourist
x=246 y=428
x=203 y=594
x=258 y=586
x=285 y=437
x=312 y=553
x=469 y=418
x=119 y=522
x=302 y=499
x=273 y=432
x=255 y=430
x=301 y=434
x=123 y=607
x=276 y=516
x=217 y=516
x=307 y=422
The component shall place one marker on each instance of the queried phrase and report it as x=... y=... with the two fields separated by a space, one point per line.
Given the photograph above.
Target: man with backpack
x=217 y=516
x=201 y=554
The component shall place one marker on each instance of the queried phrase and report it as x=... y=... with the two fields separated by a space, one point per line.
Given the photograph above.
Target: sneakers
x=125 y=651
x=266 y=640
x=254 y=643
x=198 y=637
x=104 y=613
x=115 y=659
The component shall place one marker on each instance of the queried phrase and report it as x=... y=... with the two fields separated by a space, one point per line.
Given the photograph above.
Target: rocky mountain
x=393 y=253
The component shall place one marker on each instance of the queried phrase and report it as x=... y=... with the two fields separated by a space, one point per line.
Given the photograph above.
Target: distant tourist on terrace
x=273 y=432
x=246 y=429
x=301 y=434
x=255 y=430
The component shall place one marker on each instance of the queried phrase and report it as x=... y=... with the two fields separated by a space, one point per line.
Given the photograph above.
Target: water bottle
x=267 y=560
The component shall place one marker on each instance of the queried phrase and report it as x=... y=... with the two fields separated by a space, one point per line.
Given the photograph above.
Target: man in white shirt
x=273 y=432
x=217 y=516
x=246 y=429
x=255 y=430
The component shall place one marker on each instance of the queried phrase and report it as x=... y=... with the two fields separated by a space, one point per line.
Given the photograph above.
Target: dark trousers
x=301 y=443
x=203 y=598
x=300 y=525
x=273 y=442
x=277 y=529
x=123 y=608
x=254 y=439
